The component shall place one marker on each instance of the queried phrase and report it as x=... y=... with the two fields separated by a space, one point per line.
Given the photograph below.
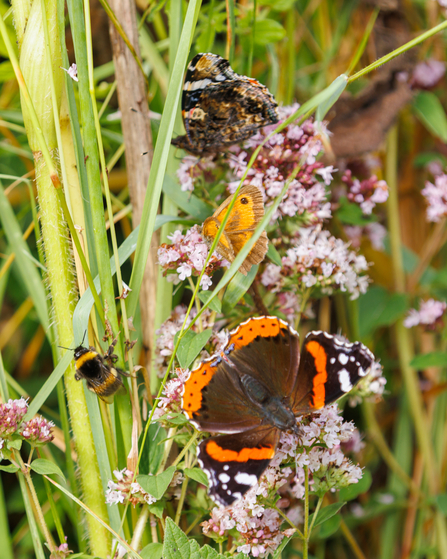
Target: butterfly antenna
x=83 y=337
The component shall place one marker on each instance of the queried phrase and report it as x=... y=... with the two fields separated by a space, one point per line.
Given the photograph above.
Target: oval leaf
x=431 y=113
x=268 y=31
x=153 y=550
x=326 y=513
x=42 y=466
x=191 y=345
x=197 y=475
x=10 y=468
x=176 y=543
x=157 y=485
x=356 y=489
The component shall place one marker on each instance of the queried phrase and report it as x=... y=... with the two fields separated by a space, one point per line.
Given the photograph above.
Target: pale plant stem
x=289 y=522
x=154 y=533
x=181 y=500
x=197 y=302
x=351 y=540
x=43 y=525
x=167 y=449
x=317 y=508
x=306 y=513
x=139 y=527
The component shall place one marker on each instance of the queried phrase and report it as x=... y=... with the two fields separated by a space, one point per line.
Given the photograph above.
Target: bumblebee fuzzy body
x=103 y=379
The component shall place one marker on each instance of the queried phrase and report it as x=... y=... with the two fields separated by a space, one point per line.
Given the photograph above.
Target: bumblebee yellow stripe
x=84 y=358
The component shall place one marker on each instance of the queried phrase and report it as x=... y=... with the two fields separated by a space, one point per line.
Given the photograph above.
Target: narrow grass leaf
x=5 y=537
x=335 y=90
x=237 y=288
x=274 y=255
x=34 y=531
x=191 y=345
x=197 y=475
x=157 y=485
x=27 y=269
x=433 y=359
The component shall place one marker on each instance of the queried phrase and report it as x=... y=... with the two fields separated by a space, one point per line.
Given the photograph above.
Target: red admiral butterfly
x=254 y=388
x=220 y=107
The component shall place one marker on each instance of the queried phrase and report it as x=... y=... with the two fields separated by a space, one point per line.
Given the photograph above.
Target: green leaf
x=157 y=509
x=441 y=502
x=433 y=359
x=42 y=466
x=431 y=113
x=336 y=89
x=153 y=550
x=16 y=444
x=153 y=450
x=188 y=202
x=237 y=288
x=378 y=307
x=10 y=468
x=278 y=5
x=356 y=489
x=215 y=304
x=282 y=546
x=351 y=214
x=329 y=527
x=157 y=485
x=191 y=345
x=326 y=513
x=268 y=31
x=274 y=255
x=176 y=544
x=207 y=552
x=197 y=475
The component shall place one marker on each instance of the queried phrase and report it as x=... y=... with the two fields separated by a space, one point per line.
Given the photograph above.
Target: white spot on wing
x=343 y=358
x=344 y=380
x=246 y=479
x=224 y=478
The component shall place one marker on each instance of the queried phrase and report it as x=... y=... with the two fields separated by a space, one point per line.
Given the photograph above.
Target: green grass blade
x=38 y=549
x=7 y=552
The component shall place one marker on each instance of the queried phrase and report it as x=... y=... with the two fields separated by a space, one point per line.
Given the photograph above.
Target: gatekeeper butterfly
x=247 y=212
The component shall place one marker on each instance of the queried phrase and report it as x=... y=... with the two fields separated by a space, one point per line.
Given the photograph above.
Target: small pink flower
x=436 y=196
x=429 y=314
x=428 y=73
x=37 y=430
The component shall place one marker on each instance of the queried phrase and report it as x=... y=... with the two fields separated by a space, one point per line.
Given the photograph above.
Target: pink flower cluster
x=186 y=256
x=164 y=345
x=375 y=232
x=436 y=196
x=36 y=431
x=428 y=73
x=429 y=314
x=172 y=394
x=318 y=259
x=125 y=488
x=371 y=387
x=319 y=448
x=306 y=195
x=366 y=193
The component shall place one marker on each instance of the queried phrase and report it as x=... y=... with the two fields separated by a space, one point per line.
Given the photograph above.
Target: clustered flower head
x=436 y=196
x=36 y=431
x=319 y=447
x=61 y=551
x=172 y=394
x=318 y=259
x=164 y=345
x=186 y=257
x=371 y=387
x=366 y=193
x=125 y=488
x=430 y=314
x=306 y=195
x=428 y=73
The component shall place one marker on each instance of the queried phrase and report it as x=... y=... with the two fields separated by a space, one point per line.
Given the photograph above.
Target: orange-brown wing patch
x=198 y=379
x=265 y=326
x=319 y=354
x=265 y=452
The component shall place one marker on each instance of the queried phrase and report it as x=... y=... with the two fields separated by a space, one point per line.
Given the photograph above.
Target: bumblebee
x=102 y=377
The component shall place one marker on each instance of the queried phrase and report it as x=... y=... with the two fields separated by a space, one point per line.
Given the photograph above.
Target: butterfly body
x=220 y=107
x=255 y=388
x=244 y=217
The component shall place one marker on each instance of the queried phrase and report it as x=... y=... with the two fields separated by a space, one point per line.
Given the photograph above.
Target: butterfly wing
x=234 y=463
x=247 y=212
x=213 y=399
x=219 y=107
x=268 y=350
x=329 y=368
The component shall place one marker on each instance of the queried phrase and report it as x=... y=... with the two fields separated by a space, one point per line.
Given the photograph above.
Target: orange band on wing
x=319 y=392
x=225 y=455
x=192 y=395
x=246 y=333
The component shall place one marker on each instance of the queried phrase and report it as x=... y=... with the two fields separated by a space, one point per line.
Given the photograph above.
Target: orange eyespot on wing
x=264 y=326
x=319 y=391
x=197 y=381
